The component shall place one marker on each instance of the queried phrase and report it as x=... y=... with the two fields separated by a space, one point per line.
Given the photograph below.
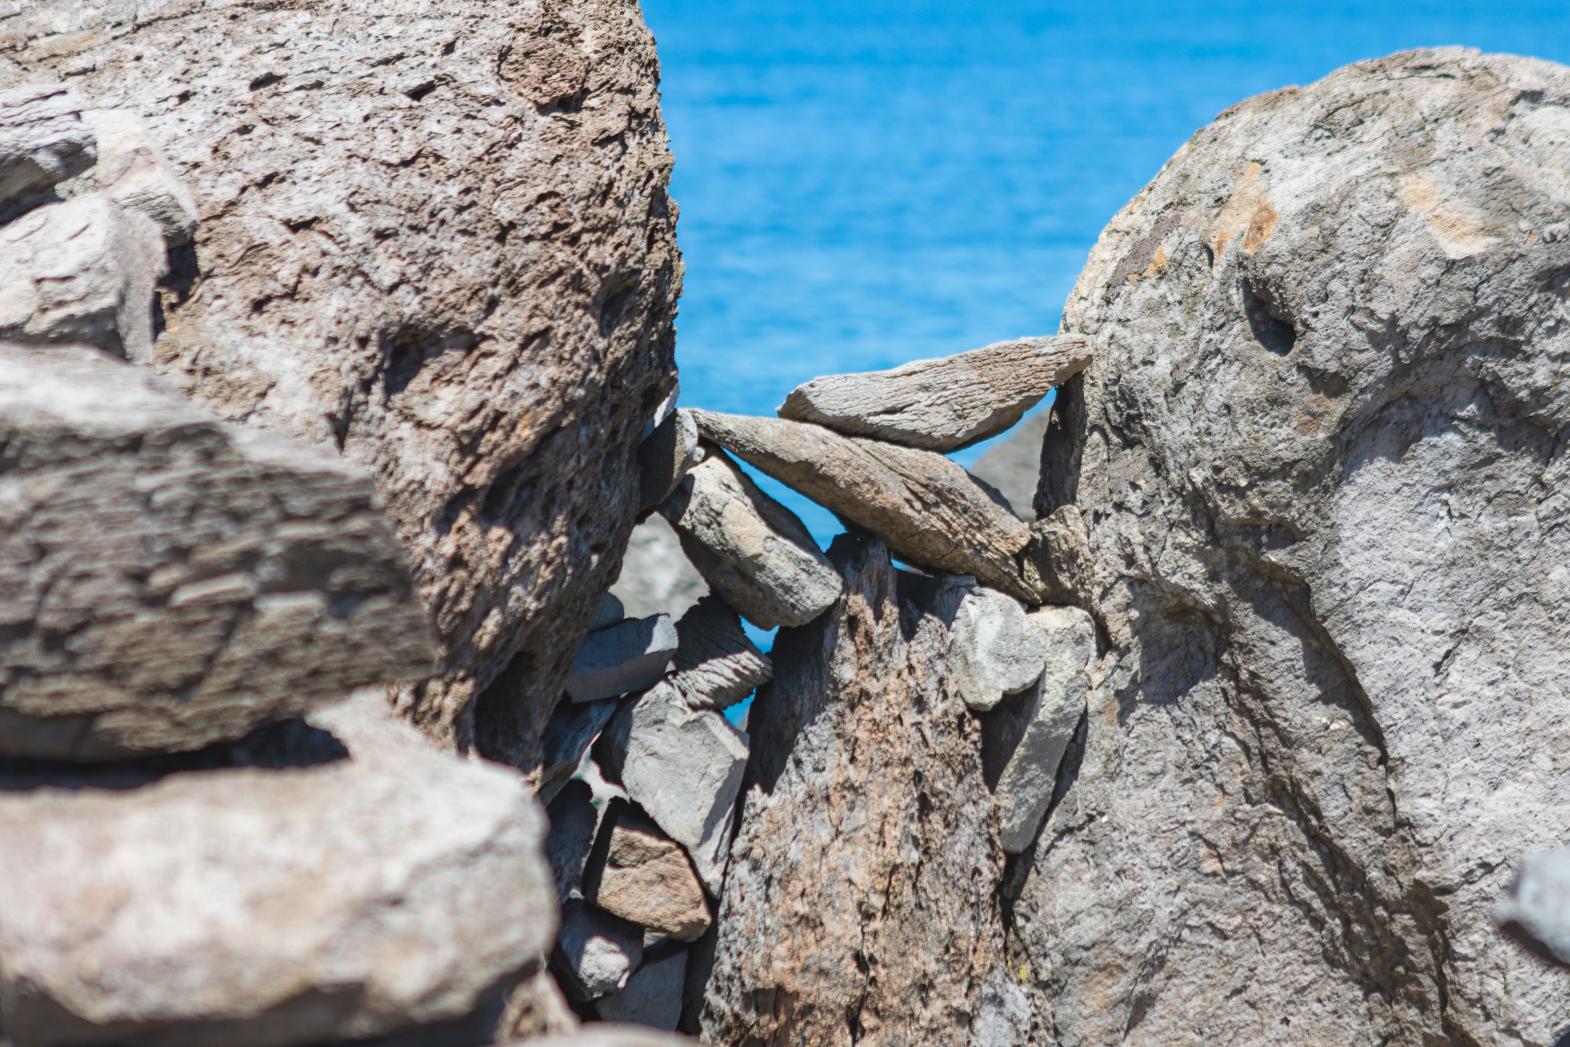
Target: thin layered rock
x=683 y=766
x=942 y=404
x=81 y=271
x=240 y=905
x=622 y=658
x=750 y=549
x=716 y=665
x=1023 y=740
x=43 y=141
x=929 y=510
x=575 y=825
x=168 y=580
x=642 y=875
x=569 y=732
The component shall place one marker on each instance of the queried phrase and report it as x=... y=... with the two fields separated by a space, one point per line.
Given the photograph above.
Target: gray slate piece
x=622 y=658
x=716 y=665
x=653 y=995
x=569 y=732
x=665 y=456
x=683 y=766
x=575 y=822
x=168 y=580
x=930 y=511
x=1023 y=740
x=942 y=404
x=596 y=952
x=43 y=140
x=750 y=549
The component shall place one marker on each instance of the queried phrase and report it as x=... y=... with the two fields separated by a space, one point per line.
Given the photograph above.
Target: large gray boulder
x=168 y=580
x=355 y=882
x=942 y=404
x=862 y=903
x=437 y=237
x=928 y=509
x=1321 y=458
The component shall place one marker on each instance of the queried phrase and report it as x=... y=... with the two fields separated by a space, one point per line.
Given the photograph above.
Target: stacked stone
x=644 y=773
x=202 y=843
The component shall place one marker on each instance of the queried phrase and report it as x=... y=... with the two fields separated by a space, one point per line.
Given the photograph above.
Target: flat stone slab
x=942 y=404
x=716 y=665
x=1023 y=740
x=751 y=550
x=622 y=658
x=352 y=881
x=169 y=580
x=683 y=766
x=929 y=510
x=642 y=875
x=653 y=996
x=596 y=952
x=994 y=648
x=43 y=140
x=569 y=732
x=81 y=271
x=575 y=823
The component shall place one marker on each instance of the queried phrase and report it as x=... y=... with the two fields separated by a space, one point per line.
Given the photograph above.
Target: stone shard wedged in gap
x=716 y=665
x=996 y=648
x=622 y=658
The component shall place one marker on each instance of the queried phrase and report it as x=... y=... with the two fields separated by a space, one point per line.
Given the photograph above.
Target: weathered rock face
x=168 y=580
x=353 y=883
x=43 y=141
x=862 y=904
x=439 y=238
x=1322 y=460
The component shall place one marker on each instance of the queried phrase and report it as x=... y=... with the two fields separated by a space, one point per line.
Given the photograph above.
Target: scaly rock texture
x=862 y=903
x=343 y=881
x=929 y=510
x=167 y=579
x=1322 y=460
x=942 y=404
x=437 y=237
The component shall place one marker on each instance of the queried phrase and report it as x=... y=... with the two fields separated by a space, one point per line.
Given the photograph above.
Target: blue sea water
x=865 y=183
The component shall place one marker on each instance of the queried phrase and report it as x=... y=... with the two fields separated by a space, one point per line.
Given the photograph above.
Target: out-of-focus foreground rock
x=1322 y=455
x=438 y=238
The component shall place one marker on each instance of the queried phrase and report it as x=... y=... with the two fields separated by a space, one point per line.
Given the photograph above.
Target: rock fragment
x=1023 y=740
x=942 y=404
x=608 y=611
x=317 y=898
x=995 y=648
x=653 y=996
x=1013 y=467
x=716 y=665
x=1058 y=565
x=168 y=580
x=666 y=456
x=1538 y=903
x=81 y=271
x=569 y=732
x=575 y=823
x=929 y=510
x=683 y=766
x=642 y=875
x=596 y=952
x=43 y=140
x=622 y=658
x=751 y=550
x=135 y=174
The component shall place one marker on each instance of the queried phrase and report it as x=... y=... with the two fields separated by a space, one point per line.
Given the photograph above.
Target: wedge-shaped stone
x=1023 y=740
x=716 y=664
x=84 y=271
x=43 y=140
x=928 y=509
x=751 y=550
x=642 y=875
x=665 y=456
x=575 y=823
x=942 y=404
x=622 y=658
x=595 y=952
x=135 y=174
x=168 y=580
x=684 y=767
x=316 y=896
x=569 y=732
x=653 y=996
x=994 y=649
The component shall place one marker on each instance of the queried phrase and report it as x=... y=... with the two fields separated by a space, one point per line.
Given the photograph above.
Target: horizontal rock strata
x=942 y=404
x=929 y=510
x=169 y=580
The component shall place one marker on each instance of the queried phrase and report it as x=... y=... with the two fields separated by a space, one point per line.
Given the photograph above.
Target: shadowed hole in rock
x=406 y=351
x=1270 y=327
